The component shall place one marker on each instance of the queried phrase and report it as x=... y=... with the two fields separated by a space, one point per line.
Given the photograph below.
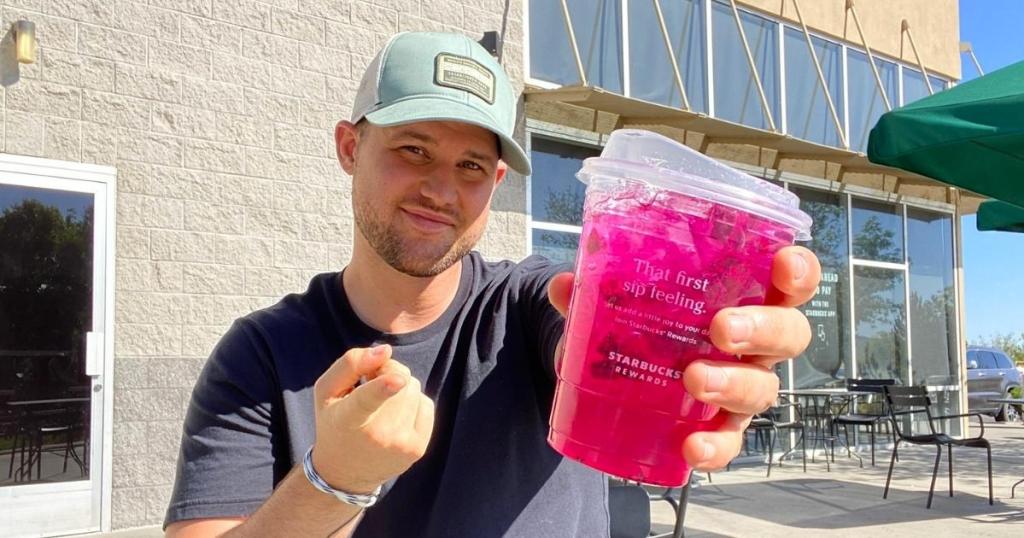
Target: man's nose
x=440 y=188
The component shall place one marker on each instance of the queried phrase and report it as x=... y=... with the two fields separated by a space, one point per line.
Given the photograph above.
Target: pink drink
x=654 y=266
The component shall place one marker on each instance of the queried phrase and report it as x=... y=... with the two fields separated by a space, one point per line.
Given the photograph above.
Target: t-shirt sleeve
x=226 y=462
x=542 y=319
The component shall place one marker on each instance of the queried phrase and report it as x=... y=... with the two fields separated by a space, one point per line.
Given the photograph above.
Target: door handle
x=93 y=353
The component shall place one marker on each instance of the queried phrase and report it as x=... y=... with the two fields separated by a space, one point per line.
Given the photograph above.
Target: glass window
x=736 y=95
x=877 y=231
x=651 y=76
x=46 y=308
x=597 y=25
x=827 y=359
x=556 y=246
x=932 y=310
x=556 y=195
x=913 y=86
x=879 y=316
x=865 y=101
x=986 y=361
x=807 y=111
x=1002 y=361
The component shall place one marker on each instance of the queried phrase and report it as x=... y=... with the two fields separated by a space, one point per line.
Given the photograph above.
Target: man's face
x=420 y=192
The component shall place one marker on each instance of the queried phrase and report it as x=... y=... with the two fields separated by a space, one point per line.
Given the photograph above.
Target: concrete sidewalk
x=848 y=501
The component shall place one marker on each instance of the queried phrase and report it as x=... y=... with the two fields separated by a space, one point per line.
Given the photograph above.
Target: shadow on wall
x=9 y=71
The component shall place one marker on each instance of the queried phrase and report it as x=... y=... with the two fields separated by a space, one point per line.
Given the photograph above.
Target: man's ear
x=500 y=172
x=346 y=139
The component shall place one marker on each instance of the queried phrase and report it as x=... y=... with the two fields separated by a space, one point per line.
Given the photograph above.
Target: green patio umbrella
x=994 y=215
x=970 y=136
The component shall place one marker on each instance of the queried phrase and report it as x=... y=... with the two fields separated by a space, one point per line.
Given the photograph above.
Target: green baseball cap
x=432 y=76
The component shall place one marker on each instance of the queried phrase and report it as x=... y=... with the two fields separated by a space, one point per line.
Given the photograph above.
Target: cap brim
x=432 y=108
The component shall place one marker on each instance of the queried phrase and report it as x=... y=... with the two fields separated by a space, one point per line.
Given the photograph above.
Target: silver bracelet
x=355 y=499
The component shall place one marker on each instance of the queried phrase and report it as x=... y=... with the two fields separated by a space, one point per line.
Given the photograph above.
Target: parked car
x=990 y=374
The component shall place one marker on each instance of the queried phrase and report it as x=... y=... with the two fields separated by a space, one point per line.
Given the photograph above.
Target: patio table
x=825 y=403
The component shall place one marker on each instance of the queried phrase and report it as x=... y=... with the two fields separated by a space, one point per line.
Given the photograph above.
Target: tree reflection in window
x=875 y=242
x=881 y=324
x=45 y=297
x=877 y=231
x=827 y=358
x=564 y=206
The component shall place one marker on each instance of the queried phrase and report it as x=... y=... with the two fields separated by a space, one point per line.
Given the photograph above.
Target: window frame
x=560 y=135
x=842 y=108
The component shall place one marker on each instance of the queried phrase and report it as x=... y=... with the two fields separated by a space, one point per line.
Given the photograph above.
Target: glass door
x=53 y=246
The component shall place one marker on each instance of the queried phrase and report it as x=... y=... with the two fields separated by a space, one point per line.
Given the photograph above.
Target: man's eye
x=472 y=165
x=414 y=149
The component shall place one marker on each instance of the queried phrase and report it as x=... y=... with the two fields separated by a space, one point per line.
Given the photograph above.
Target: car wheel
x=1004 y=411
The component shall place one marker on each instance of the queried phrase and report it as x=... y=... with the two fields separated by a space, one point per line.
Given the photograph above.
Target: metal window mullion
x=671 y=54
x=627 y=89
x=556 y=227
x=529 y=196
x=709 y=40
x=783 y=108
x=846 y=93
x=899 y=83
x=853 y=291
x=821 y=77
x=961 y=374
x=753 y=66
x=567 y=19
x=906 y=299
x=893 y=266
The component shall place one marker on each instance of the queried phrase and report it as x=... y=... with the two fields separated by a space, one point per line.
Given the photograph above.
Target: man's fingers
x=559 y=291
x=761 y=330
x=368 y=398
x=795 y=276
x=739 y=387
x=390 y=366
x=339 y=379
x=711 y=450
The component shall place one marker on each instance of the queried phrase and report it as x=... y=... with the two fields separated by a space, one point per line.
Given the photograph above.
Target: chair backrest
x=629 y=508
x=904 y=402
x=869 y=385
x=869 y=405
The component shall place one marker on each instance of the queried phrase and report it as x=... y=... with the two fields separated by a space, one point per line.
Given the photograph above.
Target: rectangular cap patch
x=464 y=74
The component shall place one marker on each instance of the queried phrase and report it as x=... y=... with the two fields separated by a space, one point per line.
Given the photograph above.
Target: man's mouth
x=427 y=220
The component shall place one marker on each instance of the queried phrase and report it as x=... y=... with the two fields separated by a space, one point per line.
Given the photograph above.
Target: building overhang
x=703 y=132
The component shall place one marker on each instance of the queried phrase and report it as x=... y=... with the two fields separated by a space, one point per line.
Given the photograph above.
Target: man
x=441 y=395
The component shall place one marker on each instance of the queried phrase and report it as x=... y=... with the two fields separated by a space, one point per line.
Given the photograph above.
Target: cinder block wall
x=218 y=116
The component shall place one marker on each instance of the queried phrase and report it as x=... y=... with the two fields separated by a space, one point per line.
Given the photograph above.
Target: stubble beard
x=410 y=256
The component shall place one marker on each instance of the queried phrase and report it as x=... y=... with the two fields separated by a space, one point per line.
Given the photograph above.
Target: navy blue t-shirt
x=487 y=363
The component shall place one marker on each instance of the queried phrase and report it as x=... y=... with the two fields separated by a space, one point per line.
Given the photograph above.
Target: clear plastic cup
x=670 y=237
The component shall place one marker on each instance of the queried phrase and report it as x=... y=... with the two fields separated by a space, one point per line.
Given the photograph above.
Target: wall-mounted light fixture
x=25 y=41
